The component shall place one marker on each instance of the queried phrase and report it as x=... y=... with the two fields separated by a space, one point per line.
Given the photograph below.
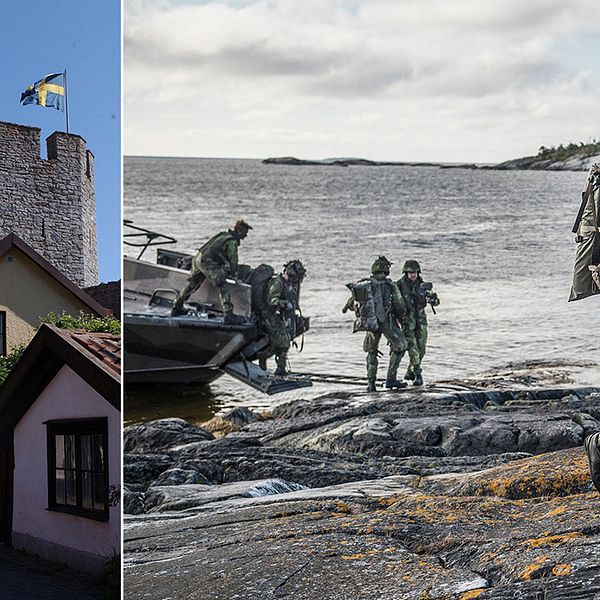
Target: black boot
x=418 y=379
x=371 y=386
x=262 y=363
x=178 y=310
x=410 y=376
x=281 y=371
x=394 y=384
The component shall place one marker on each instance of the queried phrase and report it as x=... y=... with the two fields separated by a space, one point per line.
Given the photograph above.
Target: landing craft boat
x=197 y=347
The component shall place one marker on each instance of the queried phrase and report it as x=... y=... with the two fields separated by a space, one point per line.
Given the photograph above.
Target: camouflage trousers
x=214 y=272
x=416 y=338
x=397 y=342
x=278 y=331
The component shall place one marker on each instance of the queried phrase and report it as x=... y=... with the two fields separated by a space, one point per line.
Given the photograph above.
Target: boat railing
x=152 y=238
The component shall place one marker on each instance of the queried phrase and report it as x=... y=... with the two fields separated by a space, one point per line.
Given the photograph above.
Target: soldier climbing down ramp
x=278 y=317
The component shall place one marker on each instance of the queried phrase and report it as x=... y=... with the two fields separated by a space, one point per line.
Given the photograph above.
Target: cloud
x=291 y=58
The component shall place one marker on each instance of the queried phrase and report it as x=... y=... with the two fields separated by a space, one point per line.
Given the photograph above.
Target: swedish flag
x=49 y=91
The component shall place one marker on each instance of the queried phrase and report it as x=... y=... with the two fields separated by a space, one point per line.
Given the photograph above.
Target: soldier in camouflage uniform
x=216 y=261
x=278 y=317
x=586 y=276
x=414 y=323
x=389 y=309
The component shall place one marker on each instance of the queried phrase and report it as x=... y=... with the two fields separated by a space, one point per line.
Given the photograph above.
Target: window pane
x=99 y=491
x=70 y=451
x=71 y=496
x=86 y=490
x=98 y=450
x=81 y=464
x=59 y=441
x=86 y=452
x=60 y=487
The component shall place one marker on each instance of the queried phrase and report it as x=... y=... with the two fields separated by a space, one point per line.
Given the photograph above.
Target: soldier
x=414 y=323
x=278 y=317
x=389 y=308
x=216 y=260
x=586 y=277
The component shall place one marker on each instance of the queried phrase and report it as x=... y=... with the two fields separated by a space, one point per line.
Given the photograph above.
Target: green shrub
x=64 y=321
x=84 y=321
x=8 y=362
x=563 y=152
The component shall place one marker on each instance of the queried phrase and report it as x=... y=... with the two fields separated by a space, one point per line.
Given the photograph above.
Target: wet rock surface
x=453 y=491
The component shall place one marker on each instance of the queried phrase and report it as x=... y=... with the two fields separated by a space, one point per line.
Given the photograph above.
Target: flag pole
x=66 y=103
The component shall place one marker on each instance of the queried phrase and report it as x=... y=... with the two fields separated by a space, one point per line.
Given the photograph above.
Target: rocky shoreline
x=475 y=489
x=576 y=162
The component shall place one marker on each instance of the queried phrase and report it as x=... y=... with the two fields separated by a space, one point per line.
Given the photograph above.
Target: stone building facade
x=50 y=203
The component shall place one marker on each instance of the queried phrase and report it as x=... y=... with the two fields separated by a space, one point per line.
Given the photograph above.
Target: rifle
x=427 y=295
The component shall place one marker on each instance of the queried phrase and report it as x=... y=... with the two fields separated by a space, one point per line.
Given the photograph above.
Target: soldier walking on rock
x=278 y=317
x=216 y=260
x=417 y=295
x=379 y=306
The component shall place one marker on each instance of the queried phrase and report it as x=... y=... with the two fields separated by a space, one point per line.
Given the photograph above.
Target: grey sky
x=462 y=80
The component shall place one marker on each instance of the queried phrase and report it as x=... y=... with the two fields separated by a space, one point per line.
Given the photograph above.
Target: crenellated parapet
x=50 y=202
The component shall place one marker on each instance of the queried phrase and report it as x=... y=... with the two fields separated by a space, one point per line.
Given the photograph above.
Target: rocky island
x=573 y=157
x=464 y=489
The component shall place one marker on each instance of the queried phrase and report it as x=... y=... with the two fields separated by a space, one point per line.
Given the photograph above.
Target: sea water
x=497 y=246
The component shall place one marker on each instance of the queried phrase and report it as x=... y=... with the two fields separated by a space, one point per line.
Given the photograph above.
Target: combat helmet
x=295 y=270
x=411 y=266
x=381 y=265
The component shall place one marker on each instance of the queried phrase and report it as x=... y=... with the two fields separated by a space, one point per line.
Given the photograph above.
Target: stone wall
x=50 y=203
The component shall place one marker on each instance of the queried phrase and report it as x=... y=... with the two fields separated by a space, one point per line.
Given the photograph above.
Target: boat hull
x=196 y=347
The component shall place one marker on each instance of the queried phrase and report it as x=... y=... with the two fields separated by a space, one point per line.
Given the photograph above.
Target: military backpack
x=363 y=306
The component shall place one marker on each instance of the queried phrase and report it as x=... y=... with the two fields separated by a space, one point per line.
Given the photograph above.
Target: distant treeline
x=563 y=152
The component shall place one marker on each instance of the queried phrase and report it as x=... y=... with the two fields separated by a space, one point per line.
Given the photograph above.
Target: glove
x=345 y=309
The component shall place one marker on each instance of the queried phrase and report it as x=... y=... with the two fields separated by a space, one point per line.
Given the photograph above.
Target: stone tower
x=50 y=203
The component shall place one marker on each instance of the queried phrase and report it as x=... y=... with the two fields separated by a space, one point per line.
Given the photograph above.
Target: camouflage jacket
x=222 y=249
x=282 y=295
x=415 y=302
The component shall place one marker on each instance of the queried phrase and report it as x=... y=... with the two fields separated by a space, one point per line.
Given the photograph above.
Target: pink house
x=60 y=448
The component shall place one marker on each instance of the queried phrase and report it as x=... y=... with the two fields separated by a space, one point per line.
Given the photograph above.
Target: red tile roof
x=94 y=357
x=106 y=347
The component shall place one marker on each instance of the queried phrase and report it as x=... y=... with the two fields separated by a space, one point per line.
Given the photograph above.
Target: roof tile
x=104 y=346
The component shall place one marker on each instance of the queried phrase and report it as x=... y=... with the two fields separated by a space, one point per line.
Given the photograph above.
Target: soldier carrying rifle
x=417 y=295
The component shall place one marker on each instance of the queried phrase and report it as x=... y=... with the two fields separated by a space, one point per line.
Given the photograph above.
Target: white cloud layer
x=462 y=80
